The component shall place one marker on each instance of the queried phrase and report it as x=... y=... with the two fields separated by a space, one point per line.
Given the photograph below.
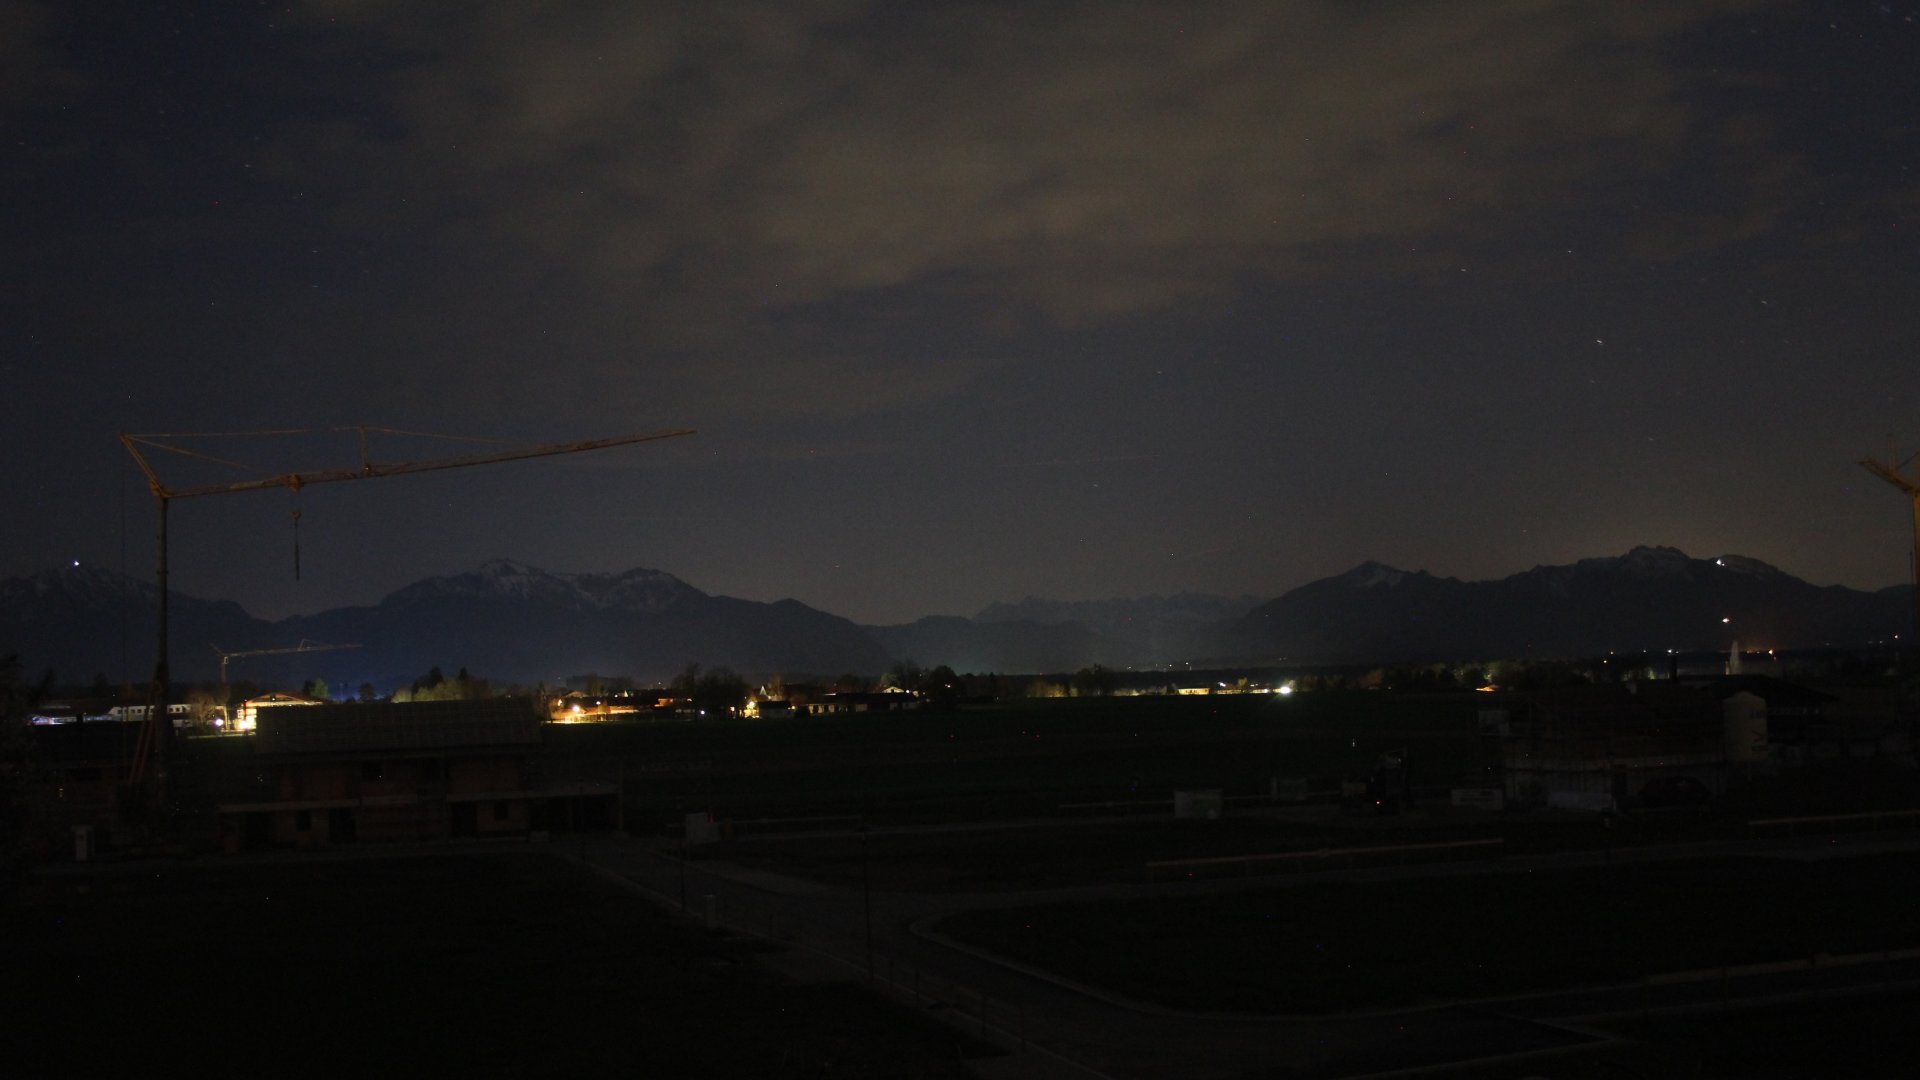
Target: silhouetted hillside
x=1650 y=599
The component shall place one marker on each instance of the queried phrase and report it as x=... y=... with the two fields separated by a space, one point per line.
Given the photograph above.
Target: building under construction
x=1619 y=747
x=391 y=771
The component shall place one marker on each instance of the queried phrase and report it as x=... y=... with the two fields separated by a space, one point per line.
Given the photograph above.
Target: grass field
x=1329 y=946
x=458 y=965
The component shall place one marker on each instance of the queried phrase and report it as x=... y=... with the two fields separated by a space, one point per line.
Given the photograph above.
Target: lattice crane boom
x=305 y=646
x=155 y=735
x=368 y=470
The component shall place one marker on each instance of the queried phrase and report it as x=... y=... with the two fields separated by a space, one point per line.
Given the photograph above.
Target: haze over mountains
x=516 y=623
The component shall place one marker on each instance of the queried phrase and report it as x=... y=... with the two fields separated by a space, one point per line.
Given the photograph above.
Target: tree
x=1547 y=675
x=315 y=688
x=208 y=703
x=905 y=674
x=1042 y=688
x=1093 y=680
x=940 y=687
x=719 y=693
x=425 y=688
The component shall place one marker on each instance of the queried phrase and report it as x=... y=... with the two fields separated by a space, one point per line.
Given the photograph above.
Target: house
x=1772 y=721
x=1615 y=747
x=247 y=716
x=891 y=700
x=76 y=776
x=758 y=708
x=384 y=771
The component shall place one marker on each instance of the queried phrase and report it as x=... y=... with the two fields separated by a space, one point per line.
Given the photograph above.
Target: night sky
x=969 y=301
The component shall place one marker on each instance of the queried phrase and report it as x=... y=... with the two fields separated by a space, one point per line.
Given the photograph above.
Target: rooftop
x=383 y=726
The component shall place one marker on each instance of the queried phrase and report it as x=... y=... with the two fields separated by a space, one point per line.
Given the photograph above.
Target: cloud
x=37 y=80
x=746 y=186
x=30 y=66
x=1087 y=160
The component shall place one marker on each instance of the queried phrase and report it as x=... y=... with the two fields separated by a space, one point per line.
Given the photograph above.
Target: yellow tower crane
x=305 y=646
x=150 y=755
x=1889 y=471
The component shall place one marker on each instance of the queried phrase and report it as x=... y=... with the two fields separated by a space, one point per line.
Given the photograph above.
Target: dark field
x=1022 y=759
x=502 y=965
x=1322 y=947
x=496 y=965
x=1098 y=852
x=1849 y=1036
x=1254 y=838
x=1028 y=759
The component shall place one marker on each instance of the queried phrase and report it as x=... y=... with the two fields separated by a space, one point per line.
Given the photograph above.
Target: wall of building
x=501 y=772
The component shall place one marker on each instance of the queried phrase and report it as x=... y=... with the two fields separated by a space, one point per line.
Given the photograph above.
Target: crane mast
x=1889 y=471
x=151 y=752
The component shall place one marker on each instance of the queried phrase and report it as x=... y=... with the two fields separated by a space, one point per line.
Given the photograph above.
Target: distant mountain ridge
x=1154 y=630
x=513 y=622
x=504 y=620
x=1009 y=646
x=632 y=590
x=1649 y=599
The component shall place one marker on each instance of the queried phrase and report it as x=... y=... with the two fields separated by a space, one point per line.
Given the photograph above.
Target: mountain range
x=516 y=623
x=1651 y=599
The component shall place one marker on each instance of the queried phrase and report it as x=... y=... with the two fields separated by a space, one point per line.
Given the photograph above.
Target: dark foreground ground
x=1330 y=947
x=486 y=965
x=450 y=965
x=1870 y=1036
